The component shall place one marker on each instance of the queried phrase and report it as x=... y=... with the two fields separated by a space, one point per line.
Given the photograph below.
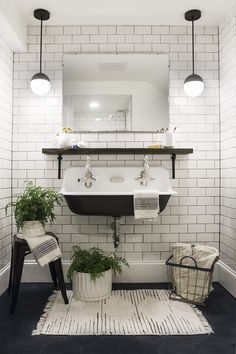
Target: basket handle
x=181 y=261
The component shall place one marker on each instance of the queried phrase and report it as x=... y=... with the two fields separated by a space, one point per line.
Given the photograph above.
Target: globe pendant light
x=40 y=83
x=193 y=84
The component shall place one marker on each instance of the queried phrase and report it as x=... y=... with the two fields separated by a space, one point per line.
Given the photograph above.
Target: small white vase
x=168 y=139
x=64 y=140
x=85 y=289
x=33 y=229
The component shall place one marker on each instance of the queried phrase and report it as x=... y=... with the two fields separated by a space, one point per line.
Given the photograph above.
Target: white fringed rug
x=126 y=312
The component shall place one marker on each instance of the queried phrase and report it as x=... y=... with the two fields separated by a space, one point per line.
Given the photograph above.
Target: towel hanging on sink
x=146 y=204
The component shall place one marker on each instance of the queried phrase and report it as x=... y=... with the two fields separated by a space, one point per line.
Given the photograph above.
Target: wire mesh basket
x=188 y=282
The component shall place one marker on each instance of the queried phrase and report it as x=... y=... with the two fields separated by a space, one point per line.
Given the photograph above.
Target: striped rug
x=126 y=312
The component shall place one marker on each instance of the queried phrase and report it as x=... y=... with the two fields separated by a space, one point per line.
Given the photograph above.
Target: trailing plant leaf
x=35 y=203
x=95 y=262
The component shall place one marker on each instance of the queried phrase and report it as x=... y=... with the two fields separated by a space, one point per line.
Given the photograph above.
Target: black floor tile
x=177 y=348
x=214 y=347
x=15 y=330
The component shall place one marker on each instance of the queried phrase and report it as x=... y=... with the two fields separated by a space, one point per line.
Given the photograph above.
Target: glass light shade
x=193 y=85
x=40 y=84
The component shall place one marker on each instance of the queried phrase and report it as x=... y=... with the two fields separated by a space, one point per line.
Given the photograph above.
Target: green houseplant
x=34 y=208
x=91 y=273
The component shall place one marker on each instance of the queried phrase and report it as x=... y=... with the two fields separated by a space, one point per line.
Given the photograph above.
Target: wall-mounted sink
x=111 y=194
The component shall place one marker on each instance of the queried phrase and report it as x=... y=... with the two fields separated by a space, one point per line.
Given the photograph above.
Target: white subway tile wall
x=228 y=140
x=193 y=214
x=6 y=76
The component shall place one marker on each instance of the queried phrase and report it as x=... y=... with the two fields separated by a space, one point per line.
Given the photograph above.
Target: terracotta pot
x=85 y=289
x=33 y=229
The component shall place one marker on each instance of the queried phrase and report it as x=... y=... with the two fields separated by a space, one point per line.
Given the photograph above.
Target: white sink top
x=114 y=181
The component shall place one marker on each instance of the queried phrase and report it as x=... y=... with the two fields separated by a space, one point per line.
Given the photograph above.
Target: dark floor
x=15 y=330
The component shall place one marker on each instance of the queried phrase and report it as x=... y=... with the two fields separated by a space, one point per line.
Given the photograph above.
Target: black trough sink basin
x=107 y=205
x=112 y=190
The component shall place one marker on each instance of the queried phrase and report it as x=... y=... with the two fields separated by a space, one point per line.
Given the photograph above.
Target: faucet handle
x=143 y=181
x=88 y=181
x=90 y=177
x=139 y=178
x=93 y=178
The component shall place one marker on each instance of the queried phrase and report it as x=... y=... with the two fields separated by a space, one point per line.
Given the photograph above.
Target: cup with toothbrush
x=169 y=138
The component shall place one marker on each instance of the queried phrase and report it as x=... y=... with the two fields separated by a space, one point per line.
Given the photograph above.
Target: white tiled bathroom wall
x=228 y=140
x=192 y=215
x=6 y=77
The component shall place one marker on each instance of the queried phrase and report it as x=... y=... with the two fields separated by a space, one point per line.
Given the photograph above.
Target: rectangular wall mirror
x=115 y=92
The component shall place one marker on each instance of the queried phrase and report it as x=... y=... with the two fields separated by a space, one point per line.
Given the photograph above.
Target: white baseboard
x=139 y=272
x=143 y=272
x=227 y=278
x=4 y=277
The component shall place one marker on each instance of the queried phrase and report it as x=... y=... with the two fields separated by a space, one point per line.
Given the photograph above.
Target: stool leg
x=51 y=264
x=60 y=277
x=18 y=262
x=53 y=273
x=11 y=273
x=15 y=254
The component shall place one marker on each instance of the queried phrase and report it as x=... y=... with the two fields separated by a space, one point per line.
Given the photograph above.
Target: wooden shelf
x=117 y=151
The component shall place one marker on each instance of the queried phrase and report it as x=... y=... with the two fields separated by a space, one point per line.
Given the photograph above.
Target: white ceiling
x=74 y=12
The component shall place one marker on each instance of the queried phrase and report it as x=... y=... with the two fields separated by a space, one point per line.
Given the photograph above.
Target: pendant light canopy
x=40 y=83
x=193 y=84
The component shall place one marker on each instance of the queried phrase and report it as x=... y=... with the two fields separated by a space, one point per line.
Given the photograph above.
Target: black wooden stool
x=20 y=249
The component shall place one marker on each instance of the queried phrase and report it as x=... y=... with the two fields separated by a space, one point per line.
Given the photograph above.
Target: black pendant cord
x=41 y=45
x=193 y=46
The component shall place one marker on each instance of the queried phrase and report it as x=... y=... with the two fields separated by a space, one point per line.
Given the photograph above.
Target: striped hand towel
x=44 y=249
x=146 y=204
x=205 y=256
x=180 y=250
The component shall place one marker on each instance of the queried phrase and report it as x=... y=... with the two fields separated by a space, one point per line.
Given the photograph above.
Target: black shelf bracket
x=59 y=157
x=173 y=158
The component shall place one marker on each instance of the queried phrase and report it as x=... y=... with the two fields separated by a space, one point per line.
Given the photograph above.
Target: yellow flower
x=67 y=130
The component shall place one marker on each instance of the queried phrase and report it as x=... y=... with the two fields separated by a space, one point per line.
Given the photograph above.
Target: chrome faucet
x=145 y=173
x=88 y=176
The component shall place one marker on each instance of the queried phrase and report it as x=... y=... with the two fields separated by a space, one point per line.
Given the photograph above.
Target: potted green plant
x=34 y=208
x=91 y=273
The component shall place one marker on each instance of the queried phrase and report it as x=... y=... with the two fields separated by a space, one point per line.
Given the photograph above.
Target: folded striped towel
x=180 y=250
x=146 y=204
x=44 y=248
x=205 y=256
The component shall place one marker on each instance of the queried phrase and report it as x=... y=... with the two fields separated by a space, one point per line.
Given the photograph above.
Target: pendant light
x=40 y=83
x=193 y=84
